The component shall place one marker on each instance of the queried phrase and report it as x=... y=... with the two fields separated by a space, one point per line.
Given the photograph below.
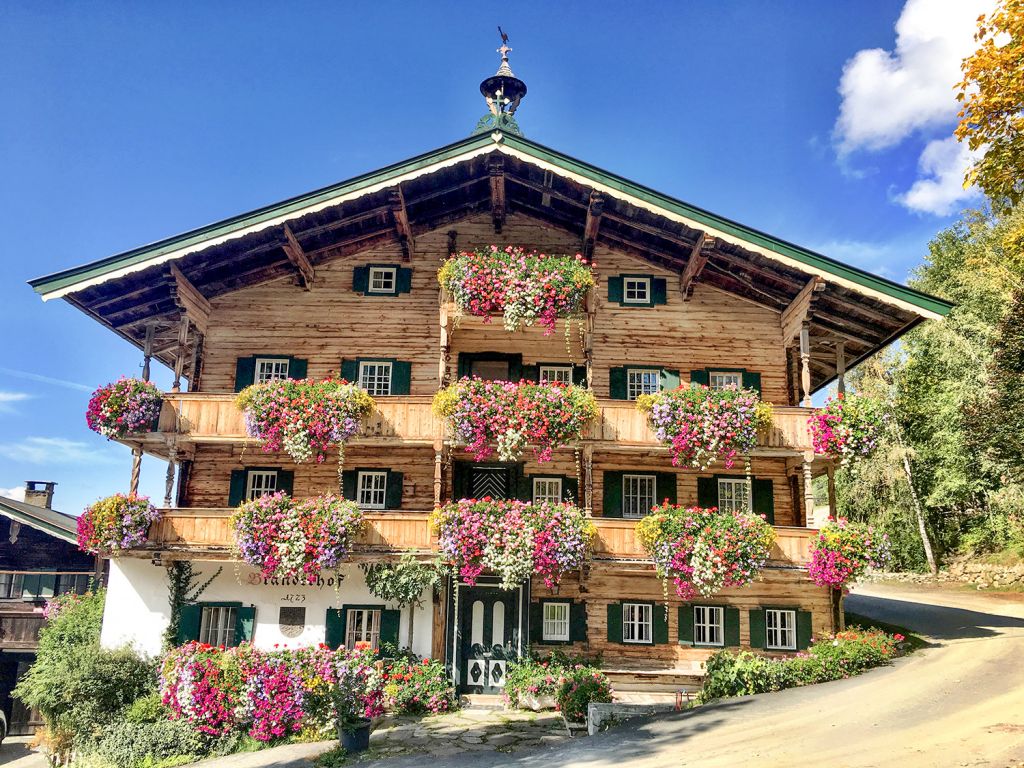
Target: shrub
x=134 y=745
x=580 y=687
x=146 y=709
x=418 y=687
x=124 y=407
x=116 y=523
x=532 y=677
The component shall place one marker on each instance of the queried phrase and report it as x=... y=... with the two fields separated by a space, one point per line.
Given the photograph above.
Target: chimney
x=39 y=493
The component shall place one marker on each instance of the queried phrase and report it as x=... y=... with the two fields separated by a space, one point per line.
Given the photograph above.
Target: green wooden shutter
x=700 y=377
x=617 y=383
x=707 y=492
x=350 y=371
x=686 y=624
x=348 y=484
x=659 y=616
x=758 y=636
x=659 y=290
x=666 y=487
x=732 y=627
x=245 y=372
x=763 y=498
x=460 y=480
x=334 y=631
x=361 y=279
x=578 y=622
x=612 y=501
x=752 y=380
x=390 y=621
x=236 y=491
x=571 y=489
x=393 y=490
x=296 y=368
x=286 y=481
x=536 y=622
x=803 y=630
x=401 y=377
x=615 y=623
x=245 y=624
x=615 y=294
x=403 y=283
x=519 y=484
x=579 y=375
x=515 y=367
x=465 y=365
x=531 y=373
x=669 y=379
x=188 y=623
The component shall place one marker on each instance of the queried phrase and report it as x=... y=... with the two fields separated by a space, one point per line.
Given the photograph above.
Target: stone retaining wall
x=963 y=571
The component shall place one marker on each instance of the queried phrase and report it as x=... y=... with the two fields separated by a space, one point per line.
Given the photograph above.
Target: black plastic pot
x=355 y=737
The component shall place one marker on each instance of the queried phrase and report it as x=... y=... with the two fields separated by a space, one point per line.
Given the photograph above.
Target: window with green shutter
x=631 y=290
x=379 y=376
x=629 y=382
x=381 y=279
x=373 y=487
x=257 y=369
x=722 y=377
x=720 y=491
x=253 y=482
x=357 y=624
x=216 y=623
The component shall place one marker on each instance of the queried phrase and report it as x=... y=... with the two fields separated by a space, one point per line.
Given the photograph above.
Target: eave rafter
x=595 y=210
x=400 y=218
x=699 y=255
x=799 y=311
x=192 y=303
x=298 y=258
x=496 y=172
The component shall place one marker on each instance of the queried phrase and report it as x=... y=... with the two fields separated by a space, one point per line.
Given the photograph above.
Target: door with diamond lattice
x=488 y=628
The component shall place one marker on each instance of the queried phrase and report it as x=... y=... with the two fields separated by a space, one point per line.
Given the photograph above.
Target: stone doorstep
x=486 y=701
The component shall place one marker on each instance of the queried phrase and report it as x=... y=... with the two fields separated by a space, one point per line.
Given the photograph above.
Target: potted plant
x=125 y=407
x=358 y=697
x=115 y=524
x=849 y=427
x=843 y=551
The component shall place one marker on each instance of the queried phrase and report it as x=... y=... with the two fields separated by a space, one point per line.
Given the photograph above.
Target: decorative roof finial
x=503 y=91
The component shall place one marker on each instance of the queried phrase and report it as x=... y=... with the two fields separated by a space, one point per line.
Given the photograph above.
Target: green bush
x=998 y=532
x=416 y=687
x=532 y=677
x=579 y=687
x=147 y=709
x=140 y=745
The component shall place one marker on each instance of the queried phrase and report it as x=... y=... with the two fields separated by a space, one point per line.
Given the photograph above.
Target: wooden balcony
x=19 y=627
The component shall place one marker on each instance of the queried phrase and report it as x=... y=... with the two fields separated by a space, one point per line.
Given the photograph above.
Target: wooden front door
x=488 y=637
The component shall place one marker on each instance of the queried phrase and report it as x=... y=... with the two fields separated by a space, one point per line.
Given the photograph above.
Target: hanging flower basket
x=514 y=539
x=303 y=417
x=116 y=523
x=705 y=550
x=288 y=539
x=512 y=415
x=525 y=288
x=849 y=427
x=126 y=407
x=843 y=551
x=703 y=425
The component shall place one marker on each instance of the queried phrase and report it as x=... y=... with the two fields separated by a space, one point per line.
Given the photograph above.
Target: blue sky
x=823 y=123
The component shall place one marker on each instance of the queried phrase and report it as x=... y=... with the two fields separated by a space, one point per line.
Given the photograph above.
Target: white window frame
x=218 y=625
x=372 y=485
x=251 y=492
x=637 y=512
x=547 y=489
x=368 y=630
x=638 y=623
x=277 y=369
x=13 y=585
x=382 y=274
x=709 y=620
x=377 y=390
x=555 y=373
x=638 y=283
x=780 y=626
x=636 y=385
x=555 y=627
x=728 y=501
x=725 y=379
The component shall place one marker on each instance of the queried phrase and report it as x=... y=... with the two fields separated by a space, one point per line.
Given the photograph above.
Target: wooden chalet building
x=343 y=281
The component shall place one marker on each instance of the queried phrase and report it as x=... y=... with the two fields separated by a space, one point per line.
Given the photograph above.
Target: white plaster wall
x=137 y=610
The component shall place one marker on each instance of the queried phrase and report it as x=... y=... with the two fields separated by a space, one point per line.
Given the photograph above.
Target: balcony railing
x=19 y=628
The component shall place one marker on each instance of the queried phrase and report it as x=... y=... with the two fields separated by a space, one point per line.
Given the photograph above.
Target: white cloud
x=17 y=493
x=940 y=190
x=54 y=450
x=7 y=400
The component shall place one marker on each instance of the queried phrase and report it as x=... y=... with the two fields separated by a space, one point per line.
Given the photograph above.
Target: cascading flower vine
x=849 y=426
x=289 y=539
x=705 y=550
x=125 y=407
x=704 y=425
x=525 y=288
x=511 y=415
x=843 y=551
x=303 y=417
x=116 y=523
x=512 y=538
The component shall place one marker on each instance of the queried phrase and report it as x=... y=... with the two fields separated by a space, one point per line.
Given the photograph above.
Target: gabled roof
x=56 y=524
x=133 y=289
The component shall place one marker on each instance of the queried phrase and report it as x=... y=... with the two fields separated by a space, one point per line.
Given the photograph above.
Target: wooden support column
x=147 y=351
x=748 y=471
x=306 y=274
x=588 y=480
x=831 y=470
x=400 y=219
x=438 y=474
x=179 y=359
x=172 y=459
x=133 y=482
x=497 y=174
x=444 y=349
x=590 y=306
x=841 y=367
x=805 y=364
x=809 y=491
x=699 y=255
x=594 y=212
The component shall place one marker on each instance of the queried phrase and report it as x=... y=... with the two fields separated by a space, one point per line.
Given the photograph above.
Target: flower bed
x=580 y=687
x=512 y=415
x=525 y=288
x=125 y=407
x=303 y=417
x=568 y=685
x=512 y=538
x=705 y=550
x=849 y=426
x=418 y=687
x=843 y=551
x=116 y=523
x=289 y=539
x=704 y=425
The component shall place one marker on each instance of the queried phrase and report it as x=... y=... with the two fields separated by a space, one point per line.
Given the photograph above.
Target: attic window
x=636 y=290
x=382 y=280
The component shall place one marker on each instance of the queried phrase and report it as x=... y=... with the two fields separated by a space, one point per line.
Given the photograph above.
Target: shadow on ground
x=938 y=622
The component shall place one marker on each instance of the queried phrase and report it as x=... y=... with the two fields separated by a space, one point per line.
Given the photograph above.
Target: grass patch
x=912 y=642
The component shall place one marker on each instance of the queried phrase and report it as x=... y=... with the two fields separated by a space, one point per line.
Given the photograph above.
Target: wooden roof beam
x=400 y=218
x=299 y=259
x=190 y=301
x=699 y=255
x=800 y=309
x=594 y=212
x=496 y=169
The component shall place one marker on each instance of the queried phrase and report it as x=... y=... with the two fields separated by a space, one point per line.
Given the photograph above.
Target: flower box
x=125 y=407
x=115 y=524
x=849 y=427
x=537 y=702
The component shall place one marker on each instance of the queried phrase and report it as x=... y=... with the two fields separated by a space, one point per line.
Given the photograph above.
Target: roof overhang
x=49 y=521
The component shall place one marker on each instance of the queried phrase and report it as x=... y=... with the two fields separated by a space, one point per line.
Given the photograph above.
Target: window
x=73 y=582
x=556 y=622
x=260 y=482
x=638 y=495
x=725 y=379
x=11 y=585
x=636 y=290
x=271 y=369
x=375 y=378
x=642 y=381
x=708 y=625
x=781 y=628
x=559 y=373
x=217 y=625
x=362 y=625
x=547 y=489
x=382 y=280
x=371 y=487
x=636 y=622
x=733 y=494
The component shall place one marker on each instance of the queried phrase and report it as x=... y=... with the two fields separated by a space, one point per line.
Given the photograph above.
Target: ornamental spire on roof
x=502 y=91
